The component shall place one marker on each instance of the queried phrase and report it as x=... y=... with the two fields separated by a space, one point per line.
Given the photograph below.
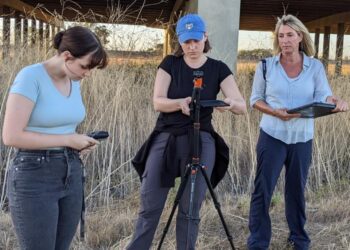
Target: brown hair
x=179 y=52
x=306 y=45
x=80 y=41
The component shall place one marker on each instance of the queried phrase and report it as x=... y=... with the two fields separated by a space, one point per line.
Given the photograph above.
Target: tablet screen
x=313 y=110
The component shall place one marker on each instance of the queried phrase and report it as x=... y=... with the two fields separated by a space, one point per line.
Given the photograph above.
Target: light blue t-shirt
x=281 y=91
x=53 y=113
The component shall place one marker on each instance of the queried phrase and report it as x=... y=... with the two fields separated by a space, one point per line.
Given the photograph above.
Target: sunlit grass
x=118 y=100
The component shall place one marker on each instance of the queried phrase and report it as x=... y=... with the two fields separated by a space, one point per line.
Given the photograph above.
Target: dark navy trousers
x=272 y=155
x=45 y=196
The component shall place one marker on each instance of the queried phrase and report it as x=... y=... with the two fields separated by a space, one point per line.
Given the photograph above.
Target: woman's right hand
x=283 y=115
x=185 y=105
x=81 y=141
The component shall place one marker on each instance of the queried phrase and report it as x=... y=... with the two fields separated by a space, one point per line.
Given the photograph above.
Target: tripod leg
x=217 y=206
x=176 y=203
x=194 y=170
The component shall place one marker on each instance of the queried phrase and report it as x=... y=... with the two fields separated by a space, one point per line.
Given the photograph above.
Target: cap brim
x=191 y=36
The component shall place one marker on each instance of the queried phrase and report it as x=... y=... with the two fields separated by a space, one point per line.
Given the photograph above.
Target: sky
x=141 y=37
x=132 y=37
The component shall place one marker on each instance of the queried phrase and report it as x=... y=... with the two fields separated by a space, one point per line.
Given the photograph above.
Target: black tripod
x=192 y=169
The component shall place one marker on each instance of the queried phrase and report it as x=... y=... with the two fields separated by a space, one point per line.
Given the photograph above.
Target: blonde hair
x=306 y=45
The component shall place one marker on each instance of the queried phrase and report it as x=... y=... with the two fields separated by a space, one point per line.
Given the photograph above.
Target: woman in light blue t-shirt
x=44 y=107
x=293 y=78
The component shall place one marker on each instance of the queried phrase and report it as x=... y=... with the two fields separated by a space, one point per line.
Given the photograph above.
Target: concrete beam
x=169 y=38
x=6 y=33
x=166 y=44
x=317 y=41
x=330 y=21
x=40 y=34
x=17 y=29
x=326 y=39
x=47 y=37
x=33 y=32
x=25 y=32
x=339 y=49
x=29 y=10
x=179 y=4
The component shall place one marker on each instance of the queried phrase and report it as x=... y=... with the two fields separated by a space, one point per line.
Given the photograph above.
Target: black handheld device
x=98 y=135
x=213 y=103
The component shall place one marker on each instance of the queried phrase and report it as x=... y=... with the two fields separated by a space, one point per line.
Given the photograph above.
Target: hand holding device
x=98 y=135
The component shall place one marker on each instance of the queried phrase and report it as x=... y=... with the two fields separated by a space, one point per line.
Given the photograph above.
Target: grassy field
x=118 y=99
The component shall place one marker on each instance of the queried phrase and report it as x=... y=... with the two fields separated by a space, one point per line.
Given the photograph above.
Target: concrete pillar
x=25 y=32
x=166 y=43
x=17 y=29
x=47 y=37
x=339 y=48
x=52 y=34
x=40 y=34
x=317 y=41
x=33 y=32
x=5 y=33
x=326 y=39
x=55 y=31
x=222 y=20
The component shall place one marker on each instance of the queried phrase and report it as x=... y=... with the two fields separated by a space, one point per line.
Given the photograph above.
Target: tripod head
x=197 y=87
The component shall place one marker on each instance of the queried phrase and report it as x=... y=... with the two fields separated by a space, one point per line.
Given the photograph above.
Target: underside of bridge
x=254 y=14
x=320 y=16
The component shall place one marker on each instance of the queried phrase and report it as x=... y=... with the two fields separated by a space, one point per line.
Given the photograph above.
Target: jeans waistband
x=48 y=152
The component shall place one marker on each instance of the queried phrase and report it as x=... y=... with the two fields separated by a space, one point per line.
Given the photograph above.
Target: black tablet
x=213 y=103
x=313 y=110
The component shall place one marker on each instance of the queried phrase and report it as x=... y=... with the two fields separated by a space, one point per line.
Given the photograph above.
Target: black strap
x=264 y=68
x=82 y=215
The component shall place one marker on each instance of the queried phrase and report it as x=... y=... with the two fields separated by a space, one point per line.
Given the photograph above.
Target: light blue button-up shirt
x=281 y=91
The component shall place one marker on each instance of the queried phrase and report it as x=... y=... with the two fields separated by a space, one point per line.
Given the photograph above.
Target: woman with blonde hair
x=293 y=78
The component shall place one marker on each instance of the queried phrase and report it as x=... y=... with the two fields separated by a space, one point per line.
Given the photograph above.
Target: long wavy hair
x=306 y=45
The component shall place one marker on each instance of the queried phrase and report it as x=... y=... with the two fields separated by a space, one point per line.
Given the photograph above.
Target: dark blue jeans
x=272 y=154
x=45 y=196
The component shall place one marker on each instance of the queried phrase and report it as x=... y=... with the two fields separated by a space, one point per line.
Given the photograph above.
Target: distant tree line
x=255 y=54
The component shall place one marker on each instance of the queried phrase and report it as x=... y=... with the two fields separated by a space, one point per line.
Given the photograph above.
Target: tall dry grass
x=118 y=99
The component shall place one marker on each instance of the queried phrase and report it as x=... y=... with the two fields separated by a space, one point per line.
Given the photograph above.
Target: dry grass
x=111 y=227
x=118 y=99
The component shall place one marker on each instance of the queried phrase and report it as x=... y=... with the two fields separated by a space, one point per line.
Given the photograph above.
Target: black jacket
x=170 y=171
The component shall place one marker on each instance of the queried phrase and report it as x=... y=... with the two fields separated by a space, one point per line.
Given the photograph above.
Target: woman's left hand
x=341 y=105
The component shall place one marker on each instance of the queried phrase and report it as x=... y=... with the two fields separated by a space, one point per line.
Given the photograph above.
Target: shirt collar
x=306 y=60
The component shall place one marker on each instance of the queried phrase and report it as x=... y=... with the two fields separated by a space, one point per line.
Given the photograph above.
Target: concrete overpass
x=224 y=19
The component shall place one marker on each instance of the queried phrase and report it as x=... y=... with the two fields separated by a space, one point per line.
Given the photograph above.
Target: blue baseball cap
x=190 y=27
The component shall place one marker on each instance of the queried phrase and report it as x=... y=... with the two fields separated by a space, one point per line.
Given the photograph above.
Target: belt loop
x=68 y=168
x=47 y=156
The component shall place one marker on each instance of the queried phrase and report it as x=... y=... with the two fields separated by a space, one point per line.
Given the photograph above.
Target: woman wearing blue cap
x=167 y=151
